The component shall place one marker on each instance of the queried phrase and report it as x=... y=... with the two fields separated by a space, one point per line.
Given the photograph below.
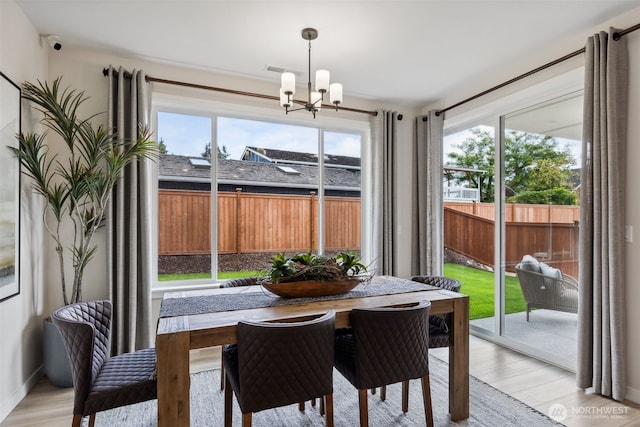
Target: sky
x=188 y=135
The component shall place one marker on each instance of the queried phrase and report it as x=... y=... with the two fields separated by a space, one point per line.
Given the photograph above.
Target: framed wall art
x=9 y=189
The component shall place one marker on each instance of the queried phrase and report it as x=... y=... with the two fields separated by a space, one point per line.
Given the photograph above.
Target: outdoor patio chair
x=387 y=345
x=544 y=286
x=101 y=382
x=278 y=364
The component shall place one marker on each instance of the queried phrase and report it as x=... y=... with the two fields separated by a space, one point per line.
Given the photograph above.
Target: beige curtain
x=427 y=211
x=129 y=220
x=384 y=136
x=601 y=314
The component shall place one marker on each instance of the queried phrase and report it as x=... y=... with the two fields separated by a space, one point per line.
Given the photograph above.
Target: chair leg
x=313 y=403
x=92 y=419
x=405 y=396
x=426 y=396
x=228 y=404
x=383 y=393
x=528 y=312
x=222 y=375
x=77 y=420
x=329 y=405
x=301 y=406
x=246 y=419
x=322 y=406
x=364 y=409
x=373 y=390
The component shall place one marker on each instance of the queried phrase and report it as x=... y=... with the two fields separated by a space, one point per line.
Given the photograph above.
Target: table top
x=208 y=329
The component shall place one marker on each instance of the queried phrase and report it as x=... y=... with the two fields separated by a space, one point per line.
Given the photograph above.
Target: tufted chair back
x=243 y=281
x=102 y=382
x=277 y=364
x=385 y=346
x=85 y=331
x=390 y=344
x=439 y=335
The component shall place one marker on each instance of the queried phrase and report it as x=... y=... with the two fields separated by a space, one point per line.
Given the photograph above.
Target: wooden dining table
x=200 y=326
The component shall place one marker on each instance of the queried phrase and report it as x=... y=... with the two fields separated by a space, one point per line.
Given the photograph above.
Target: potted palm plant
x=75 y=186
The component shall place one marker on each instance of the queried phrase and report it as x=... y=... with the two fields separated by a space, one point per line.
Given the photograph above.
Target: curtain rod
x=616 y=36
x=105 y=72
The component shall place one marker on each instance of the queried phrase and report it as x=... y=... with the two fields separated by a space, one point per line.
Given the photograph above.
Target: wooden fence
x=250 y=223
x=516 y=212
x=473 y=236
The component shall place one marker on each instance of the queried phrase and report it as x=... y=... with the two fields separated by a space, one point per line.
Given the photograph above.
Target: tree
x=550 y=173
x=222 y=153
x=532 y=162
x=526 y=153
x=477 y=153
x=206 y=154
x=162 y=147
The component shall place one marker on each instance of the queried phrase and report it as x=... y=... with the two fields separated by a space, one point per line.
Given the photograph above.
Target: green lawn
x=478 y=284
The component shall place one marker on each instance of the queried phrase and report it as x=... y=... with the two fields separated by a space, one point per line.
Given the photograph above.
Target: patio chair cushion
x=551 y=272
x=547 y=270
x=529 y=263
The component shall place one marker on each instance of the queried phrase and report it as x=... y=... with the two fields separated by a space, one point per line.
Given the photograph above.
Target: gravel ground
x=169 y=264
x=228 y=262
x=257 y=261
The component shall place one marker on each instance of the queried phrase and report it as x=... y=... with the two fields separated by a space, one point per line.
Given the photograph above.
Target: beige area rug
x=488 y=406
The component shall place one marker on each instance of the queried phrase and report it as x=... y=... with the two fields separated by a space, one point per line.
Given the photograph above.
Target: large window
x=253 y=187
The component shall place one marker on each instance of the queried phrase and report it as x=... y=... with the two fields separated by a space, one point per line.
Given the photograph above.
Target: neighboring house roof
x=181 y=168
x=293 y=157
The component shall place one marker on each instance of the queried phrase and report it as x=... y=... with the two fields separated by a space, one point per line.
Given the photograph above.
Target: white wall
x=531 y=60
x=22 y=58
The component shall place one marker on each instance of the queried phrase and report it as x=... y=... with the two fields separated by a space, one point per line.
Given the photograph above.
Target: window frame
x=181 y=104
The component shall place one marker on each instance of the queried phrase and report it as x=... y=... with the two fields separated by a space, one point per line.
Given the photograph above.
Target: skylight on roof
x=199 y=162
x=288 y=170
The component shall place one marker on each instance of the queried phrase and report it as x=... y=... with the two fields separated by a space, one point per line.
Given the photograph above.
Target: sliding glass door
x=541 y=152
x=511 y=221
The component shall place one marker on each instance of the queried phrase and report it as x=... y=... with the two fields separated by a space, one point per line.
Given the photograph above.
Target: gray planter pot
x=56 y=362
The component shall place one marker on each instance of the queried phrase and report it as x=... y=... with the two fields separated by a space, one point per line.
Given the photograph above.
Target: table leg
x=459 y=361
x=172 y=362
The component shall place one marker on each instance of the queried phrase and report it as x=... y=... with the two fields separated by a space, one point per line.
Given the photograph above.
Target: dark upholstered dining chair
x=232 y=283
x=387 y=345
x=278 y=364
x=101 y=382
x=439 y=324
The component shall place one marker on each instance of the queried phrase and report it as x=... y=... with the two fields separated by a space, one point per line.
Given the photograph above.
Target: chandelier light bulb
x=288 y=82
x=335 y=93
x=322 y=81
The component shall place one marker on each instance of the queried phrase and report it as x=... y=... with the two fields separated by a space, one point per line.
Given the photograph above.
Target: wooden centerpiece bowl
x=312 y=288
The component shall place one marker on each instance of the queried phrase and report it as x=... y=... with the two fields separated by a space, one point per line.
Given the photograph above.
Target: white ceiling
x=405 y=52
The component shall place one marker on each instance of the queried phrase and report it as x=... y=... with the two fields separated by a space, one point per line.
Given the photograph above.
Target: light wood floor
x=533 y=382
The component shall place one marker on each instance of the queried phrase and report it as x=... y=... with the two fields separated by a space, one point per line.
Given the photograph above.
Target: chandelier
x=314 y=100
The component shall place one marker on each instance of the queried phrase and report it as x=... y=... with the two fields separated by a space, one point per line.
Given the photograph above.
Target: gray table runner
x=379 y=285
